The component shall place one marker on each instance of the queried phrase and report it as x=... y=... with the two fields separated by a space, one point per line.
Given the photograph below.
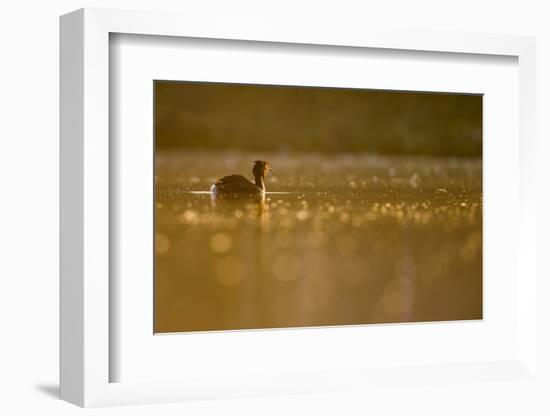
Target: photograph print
x=291 y=206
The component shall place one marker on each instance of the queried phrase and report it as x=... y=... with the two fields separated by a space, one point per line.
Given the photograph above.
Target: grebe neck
x=259 y=181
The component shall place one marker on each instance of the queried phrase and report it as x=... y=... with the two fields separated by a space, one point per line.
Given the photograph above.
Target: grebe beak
x=271 y=170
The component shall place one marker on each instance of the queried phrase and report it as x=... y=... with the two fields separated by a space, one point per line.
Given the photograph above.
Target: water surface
x=339 y=239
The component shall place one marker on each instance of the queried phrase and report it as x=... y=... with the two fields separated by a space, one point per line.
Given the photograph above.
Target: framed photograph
x=269 y=212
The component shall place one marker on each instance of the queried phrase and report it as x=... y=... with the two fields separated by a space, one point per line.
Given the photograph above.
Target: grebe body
x=239 y=185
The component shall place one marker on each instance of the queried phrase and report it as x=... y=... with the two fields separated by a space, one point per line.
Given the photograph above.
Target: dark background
x=197 y=115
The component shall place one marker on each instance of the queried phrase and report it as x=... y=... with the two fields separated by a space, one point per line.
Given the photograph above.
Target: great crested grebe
x=239 y=185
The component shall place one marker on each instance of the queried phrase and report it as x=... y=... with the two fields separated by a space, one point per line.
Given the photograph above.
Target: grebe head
x=260 y=169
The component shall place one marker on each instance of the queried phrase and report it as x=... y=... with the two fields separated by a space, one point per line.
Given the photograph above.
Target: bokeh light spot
x=229 y=271
x=162 y=243
x=220 y=242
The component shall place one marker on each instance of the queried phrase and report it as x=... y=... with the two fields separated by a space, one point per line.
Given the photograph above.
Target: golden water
x=339 y=239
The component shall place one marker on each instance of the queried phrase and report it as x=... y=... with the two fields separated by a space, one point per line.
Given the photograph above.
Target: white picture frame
x=85 y=168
